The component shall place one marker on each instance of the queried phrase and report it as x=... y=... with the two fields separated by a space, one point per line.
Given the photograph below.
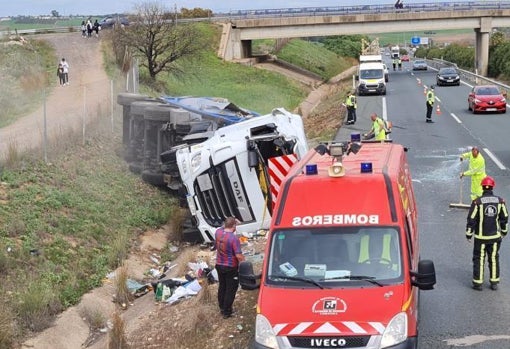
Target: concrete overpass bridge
x=242 y=27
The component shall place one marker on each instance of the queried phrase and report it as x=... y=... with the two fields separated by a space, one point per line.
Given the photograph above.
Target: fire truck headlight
x=196 y=160
x=264 y=333
x=395 y=332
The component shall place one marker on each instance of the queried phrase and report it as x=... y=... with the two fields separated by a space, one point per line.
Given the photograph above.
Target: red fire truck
x=342 y=265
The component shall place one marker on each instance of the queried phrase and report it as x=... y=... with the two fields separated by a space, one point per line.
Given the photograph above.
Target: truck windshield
x=371 y=74
x=335 y=257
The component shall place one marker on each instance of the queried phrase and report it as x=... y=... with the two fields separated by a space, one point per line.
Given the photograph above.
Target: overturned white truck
x=229 y=163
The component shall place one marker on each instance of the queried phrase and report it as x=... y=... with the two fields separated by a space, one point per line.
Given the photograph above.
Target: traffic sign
x=415 y=40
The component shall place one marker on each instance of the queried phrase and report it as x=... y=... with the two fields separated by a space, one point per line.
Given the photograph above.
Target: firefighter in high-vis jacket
x=476 y=170
x=487 y=222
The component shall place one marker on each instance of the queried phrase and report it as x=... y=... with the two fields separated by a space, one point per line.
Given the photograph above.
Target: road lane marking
x=495 y=159
x=456 y=118
x=384 y=109
x=474 y=339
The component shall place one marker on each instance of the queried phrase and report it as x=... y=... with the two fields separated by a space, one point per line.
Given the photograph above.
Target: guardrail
x=365 y=9
x=467 y=75
x=40 y=31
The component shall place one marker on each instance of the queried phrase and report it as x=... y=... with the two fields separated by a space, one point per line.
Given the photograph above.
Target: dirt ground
x=146 y=321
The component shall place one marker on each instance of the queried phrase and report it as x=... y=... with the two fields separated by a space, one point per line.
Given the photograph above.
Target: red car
x=486 y=98
x=405 y=58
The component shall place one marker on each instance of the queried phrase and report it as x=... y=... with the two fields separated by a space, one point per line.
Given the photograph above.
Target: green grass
x=248 y=87
x=314 y=57
x=68 y=223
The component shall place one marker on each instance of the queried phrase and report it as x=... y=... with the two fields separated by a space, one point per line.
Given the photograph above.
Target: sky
x=97 y=7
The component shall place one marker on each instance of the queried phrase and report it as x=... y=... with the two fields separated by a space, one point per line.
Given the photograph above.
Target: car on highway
x=486 y=98
x=420 y=64
x=447 y=76
x=112 y=21
x=404 y=58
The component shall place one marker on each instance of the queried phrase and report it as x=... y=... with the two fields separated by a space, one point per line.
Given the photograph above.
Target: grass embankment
x=24 y=73
x=65 y=224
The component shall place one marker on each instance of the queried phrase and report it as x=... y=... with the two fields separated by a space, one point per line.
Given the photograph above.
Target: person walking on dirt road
x=65 y=68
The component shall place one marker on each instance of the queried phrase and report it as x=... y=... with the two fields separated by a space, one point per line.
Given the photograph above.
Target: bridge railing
x=466 y=75
x=365 y=9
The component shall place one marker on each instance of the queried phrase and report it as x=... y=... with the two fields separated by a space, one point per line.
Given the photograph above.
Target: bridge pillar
x=235 y=48
x=482 y=45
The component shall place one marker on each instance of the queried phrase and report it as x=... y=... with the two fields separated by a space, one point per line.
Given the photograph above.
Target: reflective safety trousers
x=477 y=172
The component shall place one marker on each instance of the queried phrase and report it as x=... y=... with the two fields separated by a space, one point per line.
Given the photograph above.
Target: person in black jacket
x=487 y=221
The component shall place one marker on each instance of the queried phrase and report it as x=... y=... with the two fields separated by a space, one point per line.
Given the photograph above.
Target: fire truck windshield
x=335 y=256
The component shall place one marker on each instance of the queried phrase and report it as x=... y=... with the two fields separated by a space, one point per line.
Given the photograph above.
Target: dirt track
x=67 y=107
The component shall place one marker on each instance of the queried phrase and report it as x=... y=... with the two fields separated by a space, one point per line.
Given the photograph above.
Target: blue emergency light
x=356 y=137
x=311 y=169
x=366 y=167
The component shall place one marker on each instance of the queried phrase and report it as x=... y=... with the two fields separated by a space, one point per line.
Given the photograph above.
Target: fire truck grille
x=220 y=193
x=329 y=342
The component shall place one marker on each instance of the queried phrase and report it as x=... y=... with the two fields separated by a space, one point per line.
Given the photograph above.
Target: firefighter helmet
x=488 y=182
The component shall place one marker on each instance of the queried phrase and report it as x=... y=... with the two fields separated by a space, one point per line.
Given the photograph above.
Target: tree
x=159 y=41
x=55 y=13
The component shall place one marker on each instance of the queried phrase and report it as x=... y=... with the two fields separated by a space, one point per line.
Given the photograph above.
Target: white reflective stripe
x=300 y=328
x=378 y=326
x=327 y=328
x=354 y=327
x=278 y=328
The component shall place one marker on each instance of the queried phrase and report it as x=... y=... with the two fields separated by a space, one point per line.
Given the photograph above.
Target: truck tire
x=153 y=178
x=192 y=235
x=135 y=167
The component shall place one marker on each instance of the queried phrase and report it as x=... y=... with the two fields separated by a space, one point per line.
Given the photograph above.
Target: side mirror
x=425 y=278
x=356 y=77
x=247 y=279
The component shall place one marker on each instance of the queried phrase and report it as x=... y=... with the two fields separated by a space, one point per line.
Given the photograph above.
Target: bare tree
x=159 y=39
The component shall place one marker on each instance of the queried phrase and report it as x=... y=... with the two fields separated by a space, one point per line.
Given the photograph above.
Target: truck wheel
x=153 y=178
x=136 y=168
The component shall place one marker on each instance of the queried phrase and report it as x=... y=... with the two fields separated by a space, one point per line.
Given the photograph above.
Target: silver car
x=420 y=64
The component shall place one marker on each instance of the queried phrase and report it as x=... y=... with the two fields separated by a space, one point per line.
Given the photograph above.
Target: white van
x=371 y=79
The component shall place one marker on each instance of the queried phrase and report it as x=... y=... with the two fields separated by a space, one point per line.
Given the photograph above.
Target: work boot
x=477 y=287
x=494 y=286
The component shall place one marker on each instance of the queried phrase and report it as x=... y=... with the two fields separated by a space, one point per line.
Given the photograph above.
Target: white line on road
x=495 y=159
x=384 y=109
x=456 y=118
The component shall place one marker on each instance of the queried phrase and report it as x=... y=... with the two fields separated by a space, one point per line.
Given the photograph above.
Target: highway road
x=452 y=315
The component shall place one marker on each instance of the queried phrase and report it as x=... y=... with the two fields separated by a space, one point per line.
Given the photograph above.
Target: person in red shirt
x=228 y=256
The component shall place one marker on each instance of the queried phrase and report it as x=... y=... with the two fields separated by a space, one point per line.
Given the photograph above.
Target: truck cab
x=342 y=264
x=235 y=171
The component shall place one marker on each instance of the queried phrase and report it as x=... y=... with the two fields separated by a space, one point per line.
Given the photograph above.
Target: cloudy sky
x=92 y=7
